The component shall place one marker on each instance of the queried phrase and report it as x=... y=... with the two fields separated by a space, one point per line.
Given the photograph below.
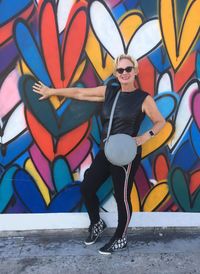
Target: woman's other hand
x=140 y=140
x=41 y=89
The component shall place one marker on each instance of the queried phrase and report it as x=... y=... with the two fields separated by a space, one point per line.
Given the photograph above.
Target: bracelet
x=151 y=133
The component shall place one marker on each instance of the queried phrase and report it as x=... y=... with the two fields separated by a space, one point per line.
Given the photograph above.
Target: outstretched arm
x=151 y=110
x=96 y=94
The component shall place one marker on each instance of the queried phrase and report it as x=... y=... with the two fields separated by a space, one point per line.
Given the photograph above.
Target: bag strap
x=111 y=115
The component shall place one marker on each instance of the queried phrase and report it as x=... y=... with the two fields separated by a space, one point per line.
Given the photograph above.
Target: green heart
x=73 y=116
x=179 y=189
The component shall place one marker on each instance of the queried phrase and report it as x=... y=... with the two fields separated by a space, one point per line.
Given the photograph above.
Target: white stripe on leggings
x=127 y=172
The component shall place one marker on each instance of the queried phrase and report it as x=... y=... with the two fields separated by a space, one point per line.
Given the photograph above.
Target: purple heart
x=196 y=108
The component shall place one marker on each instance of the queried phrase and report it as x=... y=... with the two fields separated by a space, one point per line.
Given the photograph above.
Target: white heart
x=63 y=10
x=164 y=83
x=183 y=116
x=15 y=125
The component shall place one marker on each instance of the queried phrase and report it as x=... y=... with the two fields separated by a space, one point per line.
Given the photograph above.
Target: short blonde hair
x=128 y=57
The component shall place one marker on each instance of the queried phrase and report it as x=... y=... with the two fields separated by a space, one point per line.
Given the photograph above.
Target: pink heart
x=9 y=94
x=196 y=108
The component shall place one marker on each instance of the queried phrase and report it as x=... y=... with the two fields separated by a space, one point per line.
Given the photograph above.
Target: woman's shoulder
x=143 y=93
x=112 y=86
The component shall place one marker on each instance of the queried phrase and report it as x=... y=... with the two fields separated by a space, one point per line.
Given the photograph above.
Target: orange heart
x=179 y=46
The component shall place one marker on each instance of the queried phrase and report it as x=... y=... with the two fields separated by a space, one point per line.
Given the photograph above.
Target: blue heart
x=159 y=59
x=12 y=10
x=62 y=174
x=9 y=56
x=166 y=103
x=67 y=200
x=149 y=8
x=14 y=149
x=131 y=4
x=195 y=137
x=179 y=157
x=30 y=52
x=6 y=188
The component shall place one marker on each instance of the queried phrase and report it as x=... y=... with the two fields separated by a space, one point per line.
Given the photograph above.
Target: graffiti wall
x=46 y=145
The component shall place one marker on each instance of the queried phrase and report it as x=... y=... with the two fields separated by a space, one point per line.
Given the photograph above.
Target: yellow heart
x=158 y=195
x=103 y=63
x=135 y=199
x=179 y=46
x=158 y=140
x=30 y=168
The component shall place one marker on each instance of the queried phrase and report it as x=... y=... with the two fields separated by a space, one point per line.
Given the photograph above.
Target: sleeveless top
x=128 y=113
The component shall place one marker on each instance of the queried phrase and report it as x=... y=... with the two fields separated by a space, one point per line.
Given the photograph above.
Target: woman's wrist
x=140 y=140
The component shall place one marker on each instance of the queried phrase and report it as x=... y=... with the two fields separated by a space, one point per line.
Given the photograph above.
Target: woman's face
x=125 y=76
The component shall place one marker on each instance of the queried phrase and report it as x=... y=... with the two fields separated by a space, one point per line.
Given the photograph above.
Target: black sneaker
x=95 y=232
x=113 y=245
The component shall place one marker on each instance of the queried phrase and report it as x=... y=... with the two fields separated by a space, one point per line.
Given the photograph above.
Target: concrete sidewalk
x=155 y=251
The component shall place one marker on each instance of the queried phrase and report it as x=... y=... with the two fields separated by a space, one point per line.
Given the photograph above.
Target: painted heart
x=23 y=8
x=142 y=189
x=161 y=167
x=52 y=147
x=150 y=9
x=9 y=89
x=156 y=198
x=165 y=83
x=185 y=72
x=159 y=59
x=166 y=103
x=179 y=158
x=74 y=115
x=15 y=139
x=6 y=188
x=194 y=138
x=9 y=56
x=183 y=115
x=62 y=173
x=42 y=165
x=124 y=36
x=198 y=66
x=179 y=189
x=26 y=190
x=147 y=76
x=46 y=64
x=59 y=135
x=195 y=108
x=179 y=46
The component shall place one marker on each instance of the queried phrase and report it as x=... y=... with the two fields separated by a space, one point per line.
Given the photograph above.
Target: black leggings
x=96 y=175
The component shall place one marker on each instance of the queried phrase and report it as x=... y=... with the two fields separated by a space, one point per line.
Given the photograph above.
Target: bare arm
x=151 y=110
x=96 y=94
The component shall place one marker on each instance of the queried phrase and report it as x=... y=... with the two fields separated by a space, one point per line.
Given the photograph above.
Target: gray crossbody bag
x=120 y=149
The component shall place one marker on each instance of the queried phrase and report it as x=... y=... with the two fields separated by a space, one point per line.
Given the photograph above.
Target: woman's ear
x=136 y=70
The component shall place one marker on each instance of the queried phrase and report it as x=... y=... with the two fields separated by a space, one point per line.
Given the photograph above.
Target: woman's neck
x=127 y=87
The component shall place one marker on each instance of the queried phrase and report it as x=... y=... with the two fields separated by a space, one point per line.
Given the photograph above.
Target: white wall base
x=9 y=222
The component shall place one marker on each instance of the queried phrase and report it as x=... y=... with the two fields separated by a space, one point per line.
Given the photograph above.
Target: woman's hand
x=140 y=140
x=41 y=89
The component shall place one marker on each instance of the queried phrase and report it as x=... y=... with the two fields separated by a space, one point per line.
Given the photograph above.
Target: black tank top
x=128 y=113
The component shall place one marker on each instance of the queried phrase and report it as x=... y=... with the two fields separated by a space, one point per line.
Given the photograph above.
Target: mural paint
x=46 y=146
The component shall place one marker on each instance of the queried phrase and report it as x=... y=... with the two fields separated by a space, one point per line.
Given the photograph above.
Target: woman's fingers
x=37 y=91
x=41 y=89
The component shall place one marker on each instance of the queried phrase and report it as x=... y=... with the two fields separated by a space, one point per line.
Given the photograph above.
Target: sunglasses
x=127 y=69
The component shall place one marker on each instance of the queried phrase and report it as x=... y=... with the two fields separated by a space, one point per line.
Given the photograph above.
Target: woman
x=130 y=110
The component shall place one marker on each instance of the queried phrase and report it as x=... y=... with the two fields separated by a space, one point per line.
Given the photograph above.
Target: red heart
x=146 y=76
x=74 y=38
x=45 y=142
x=186 y=71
